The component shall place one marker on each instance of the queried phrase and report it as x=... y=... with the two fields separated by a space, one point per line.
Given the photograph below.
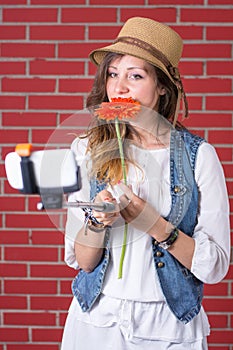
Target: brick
x=221 y=136
x=27 y=50
x=30 y=15
x=13 y=334
x=28 y=85
x=51 y=137
x=167 y=14
x=13 y=270
x=230 y=187
x=91 y=68
x=219 y=33
x=208 y=120
x=50 y=303
x=45 y=334
x=191 y=68
x=75 y=85
x=13 y=302
x=13 y=2
x=190 y=32
x=103 y=32
x=30 y=287
x=220 y=2
x=12 y=68
x=29 y=119
x=225 y=154
x=32 y=347
x=228 y=170
x=219 y=68
x=7 y=204
x=56 y=102
x=6 y=150
x=219 y=289
x=77 y=50
x=29 y=318
x=53 y=271
x=65 y=287
x=57 y=32
x=116 y=2
x=12 y=102
x=175 y=2
x=207 y=85
x=218 y=305
x=30 y=220
x=80 y=15
x=47 y=237
x=10 y=136
x=195 y=102
x=14 y=237
x=42 y=67
x=220 y=103
x=81 y=118
x=7 y=188
x=206 y=15
x=207 y=51
x=58 y=2
x=218 y=321
x=62 y=318
x=31 y=254
x=12 y=32
x=221 y=336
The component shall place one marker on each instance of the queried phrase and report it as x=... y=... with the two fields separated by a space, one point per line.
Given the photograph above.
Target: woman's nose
x=121 y=86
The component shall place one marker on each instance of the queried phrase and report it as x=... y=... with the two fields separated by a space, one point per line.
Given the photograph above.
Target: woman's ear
x=162 y=91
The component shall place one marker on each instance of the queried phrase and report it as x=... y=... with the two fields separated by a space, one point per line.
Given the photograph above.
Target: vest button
x=160 y=264
x=159 y=254
x=177 y=189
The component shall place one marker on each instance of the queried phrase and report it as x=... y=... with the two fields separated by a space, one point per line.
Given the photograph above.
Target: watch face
x=164 y=245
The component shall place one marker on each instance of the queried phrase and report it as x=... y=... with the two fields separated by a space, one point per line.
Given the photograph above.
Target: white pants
x=83 y=336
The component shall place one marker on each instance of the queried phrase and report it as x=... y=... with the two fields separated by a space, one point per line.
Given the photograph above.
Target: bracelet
x=94 y=227
x=167 y=243
x=92 y=223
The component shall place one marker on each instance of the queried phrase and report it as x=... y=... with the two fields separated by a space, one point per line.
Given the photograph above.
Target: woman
x=178 y=231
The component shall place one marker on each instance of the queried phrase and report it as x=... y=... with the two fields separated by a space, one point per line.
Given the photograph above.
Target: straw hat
x=151 y=41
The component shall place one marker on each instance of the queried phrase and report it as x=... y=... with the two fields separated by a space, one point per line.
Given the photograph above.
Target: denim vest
x=182 y=290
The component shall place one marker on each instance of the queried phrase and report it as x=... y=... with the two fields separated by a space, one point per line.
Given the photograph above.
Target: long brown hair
x=102 y=138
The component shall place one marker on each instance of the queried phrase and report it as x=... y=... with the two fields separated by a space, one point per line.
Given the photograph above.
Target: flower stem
x=123 y=249
x=125 y=181
x=121 y=150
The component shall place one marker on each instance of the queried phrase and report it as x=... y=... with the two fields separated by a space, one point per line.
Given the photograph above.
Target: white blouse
x=138 y=297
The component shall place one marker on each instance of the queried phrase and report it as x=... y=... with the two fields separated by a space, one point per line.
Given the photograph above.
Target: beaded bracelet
x=91 y=222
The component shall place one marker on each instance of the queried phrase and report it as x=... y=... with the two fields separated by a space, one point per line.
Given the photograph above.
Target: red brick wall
x=45 y=76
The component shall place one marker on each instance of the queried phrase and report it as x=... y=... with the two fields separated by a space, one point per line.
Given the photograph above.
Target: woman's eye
x=112 y=74
x=135 y=76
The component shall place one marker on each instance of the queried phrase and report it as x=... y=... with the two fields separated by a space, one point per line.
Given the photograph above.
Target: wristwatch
x=170 y=240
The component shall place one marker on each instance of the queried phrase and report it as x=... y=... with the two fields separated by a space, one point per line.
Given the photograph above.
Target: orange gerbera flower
x=121 y=108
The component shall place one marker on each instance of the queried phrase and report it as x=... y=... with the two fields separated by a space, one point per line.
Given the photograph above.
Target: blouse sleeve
x=212 y=233
x=75 y=216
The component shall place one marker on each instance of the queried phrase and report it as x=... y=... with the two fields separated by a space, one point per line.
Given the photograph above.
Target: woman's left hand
x=136 y=210
x=107 y=218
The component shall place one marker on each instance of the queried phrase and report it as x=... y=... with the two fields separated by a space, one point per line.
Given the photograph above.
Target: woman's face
x=130 y=76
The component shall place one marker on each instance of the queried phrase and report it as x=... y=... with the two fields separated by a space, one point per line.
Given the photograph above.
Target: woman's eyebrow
x=130 y=68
